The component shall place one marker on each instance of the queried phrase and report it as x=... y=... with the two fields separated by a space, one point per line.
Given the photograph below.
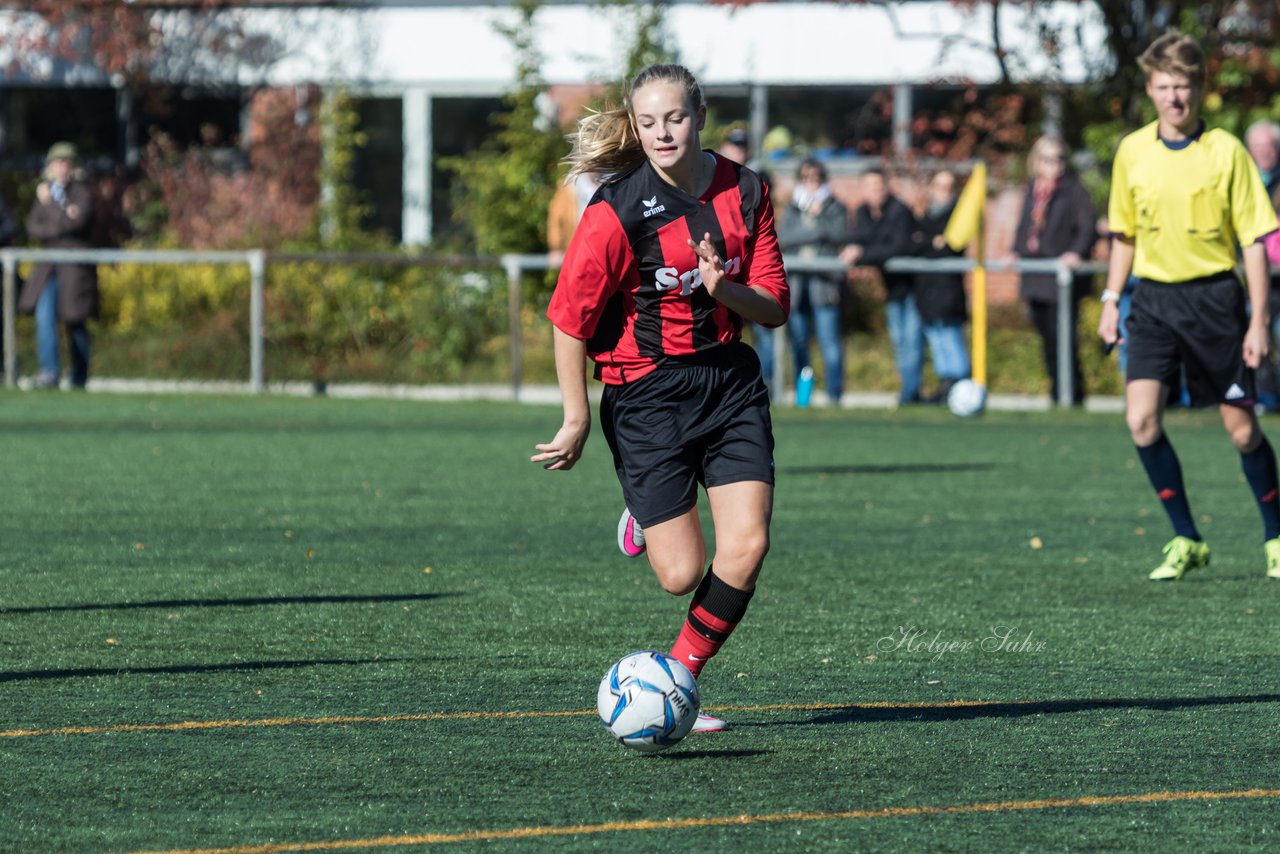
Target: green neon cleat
x=1181 y=555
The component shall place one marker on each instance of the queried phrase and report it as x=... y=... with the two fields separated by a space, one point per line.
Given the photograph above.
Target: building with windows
x=844 y=80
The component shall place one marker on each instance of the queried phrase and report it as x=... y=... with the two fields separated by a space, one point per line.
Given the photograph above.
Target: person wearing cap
x=737 y=145
x=61 y=218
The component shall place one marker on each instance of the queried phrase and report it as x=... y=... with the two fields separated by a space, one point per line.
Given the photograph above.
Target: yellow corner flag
x=965 y=228
x=965 y=224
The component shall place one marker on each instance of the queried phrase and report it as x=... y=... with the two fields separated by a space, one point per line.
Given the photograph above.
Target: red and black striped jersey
x=630 y=285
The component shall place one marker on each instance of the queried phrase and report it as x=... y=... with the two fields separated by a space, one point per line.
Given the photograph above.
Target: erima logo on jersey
x=1235 y=392
x=652 y=207
x=670 y=278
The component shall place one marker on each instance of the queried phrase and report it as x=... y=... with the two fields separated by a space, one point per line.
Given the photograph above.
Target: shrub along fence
x=379 y=316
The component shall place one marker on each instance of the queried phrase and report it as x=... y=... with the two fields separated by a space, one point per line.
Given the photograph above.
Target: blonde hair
x=1174 y=53
x=1041 y=145
x=606 y=142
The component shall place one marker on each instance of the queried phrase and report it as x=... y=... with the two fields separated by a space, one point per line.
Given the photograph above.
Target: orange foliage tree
x=216 y=192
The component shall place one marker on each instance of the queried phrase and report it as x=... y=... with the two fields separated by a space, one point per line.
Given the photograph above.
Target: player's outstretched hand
x=562 y=452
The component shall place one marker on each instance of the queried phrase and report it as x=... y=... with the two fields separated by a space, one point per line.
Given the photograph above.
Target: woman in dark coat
x=812 y=226
x=1058 y=221
x=61 y=218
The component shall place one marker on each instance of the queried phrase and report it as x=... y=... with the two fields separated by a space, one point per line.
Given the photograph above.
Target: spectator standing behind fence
x=8 y=231
x=736 y=146
x=567 y=205
x=61 y=218
x=1058 y=221
x=1262 y=139
x=813 y=225
x=112 y=226
x=940 y=296
x=883 y=228
x=8 y=228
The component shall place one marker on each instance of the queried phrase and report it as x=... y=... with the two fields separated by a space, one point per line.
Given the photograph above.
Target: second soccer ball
x=967 y=398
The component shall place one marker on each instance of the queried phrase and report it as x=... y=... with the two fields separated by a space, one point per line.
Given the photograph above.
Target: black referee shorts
x=1197 y=327
x=701 y=419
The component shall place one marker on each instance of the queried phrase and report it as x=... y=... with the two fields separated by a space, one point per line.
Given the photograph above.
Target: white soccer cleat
x=630 y=535
x=706 y=723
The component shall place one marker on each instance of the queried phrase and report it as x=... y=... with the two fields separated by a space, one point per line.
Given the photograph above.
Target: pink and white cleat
x=630 y=535
x=706 y=723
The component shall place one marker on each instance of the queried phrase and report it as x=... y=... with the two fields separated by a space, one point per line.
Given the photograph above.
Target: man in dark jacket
x=61 y=218
x=1058 y=221
x=883 y=228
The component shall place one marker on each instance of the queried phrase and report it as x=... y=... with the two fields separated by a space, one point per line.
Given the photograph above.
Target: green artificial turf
x=250 y=566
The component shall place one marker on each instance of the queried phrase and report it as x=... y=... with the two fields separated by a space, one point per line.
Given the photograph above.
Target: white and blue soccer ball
x=967 y=398
x=648 y=701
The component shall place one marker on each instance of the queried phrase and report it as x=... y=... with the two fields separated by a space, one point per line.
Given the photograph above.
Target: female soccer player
x=675 y=250
x=1184 y=200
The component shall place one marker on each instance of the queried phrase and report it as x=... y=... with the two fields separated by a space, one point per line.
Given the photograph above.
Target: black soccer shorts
x=702 y=419
x=1197 y=327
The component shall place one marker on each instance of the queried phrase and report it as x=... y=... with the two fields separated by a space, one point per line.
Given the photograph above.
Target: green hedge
x=323 y=323
x=420 y=325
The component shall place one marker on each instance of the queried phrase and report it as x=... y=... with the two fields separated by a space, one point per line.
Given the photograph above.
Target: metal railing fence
x=1066 y=283
x=258 y=262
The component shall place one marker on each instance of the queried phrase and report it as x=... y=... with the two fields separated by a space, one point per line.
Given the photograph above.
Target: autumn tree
x=504 y=187
x=1239 y=39
x=129 y=43
x=217 y=190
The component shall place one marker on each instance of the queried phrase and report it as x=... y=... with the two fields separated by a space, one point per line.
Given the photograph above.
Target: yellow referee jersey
x=1187 y=210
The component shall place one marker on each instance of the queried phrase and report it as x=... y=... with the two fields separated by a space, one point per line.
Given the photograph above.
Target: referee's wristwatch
x=1108 y=295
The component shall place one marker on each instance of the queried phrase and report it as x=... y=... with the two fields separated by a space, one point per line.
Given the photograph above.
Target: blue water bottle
x=804 y=387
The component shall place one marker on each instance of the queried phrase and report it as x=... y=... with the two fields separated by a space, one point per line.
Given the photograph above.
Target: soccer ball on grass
x=648 y=701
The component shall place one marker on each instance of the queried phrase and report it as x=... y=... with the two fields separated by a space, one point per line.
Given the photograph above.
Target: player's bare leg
x=677 y=552
x=741 y=513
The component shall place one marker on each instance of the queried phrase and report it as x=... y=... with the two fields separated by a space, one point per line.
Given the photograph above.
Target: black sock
x=1260 y=470
x=1165 y=473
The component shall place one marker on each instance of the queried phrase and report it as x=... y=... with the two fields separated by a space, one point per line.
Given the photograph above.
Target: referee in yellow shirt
x=1186 y=202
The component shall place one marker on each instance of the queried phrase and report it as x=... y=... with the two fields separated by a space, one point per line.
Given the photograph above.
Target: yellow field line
x=723 y=821
x=184 y=726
